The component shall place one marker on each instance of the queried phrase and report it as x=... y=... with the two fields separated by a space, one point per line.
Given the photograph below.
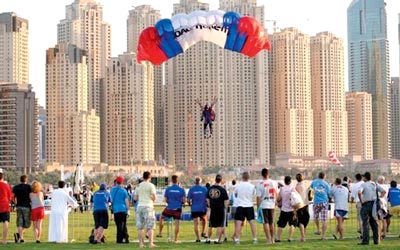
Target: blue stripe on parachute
x=168 y=44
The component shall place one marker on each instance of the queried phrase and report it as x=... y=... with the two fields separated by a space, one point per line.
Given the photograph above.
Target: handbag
x=379 y=211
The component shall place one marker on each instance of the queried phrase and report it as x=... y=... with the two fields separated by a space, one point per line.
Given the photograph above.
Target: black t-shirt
x=21 y=192
x=217 y=196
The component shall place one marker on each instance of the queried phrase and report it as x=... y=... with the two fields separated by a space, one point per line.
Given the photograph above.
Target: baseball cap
x=103 y=186
x=119 y=180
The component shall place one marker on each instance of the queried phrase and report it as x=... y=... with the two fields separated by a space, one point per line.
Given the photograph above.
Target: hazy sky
x=310 y=16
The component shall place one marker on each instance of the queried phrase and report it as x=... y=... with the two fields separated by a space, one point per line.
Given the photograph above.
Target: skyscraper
x=359 y=110
x=140 y=18
x=19 y=139
x=395 y=99
x=328 y=99
x=368 y=50
x=18 y=106
x=205 y=70
x=84 y=27
x=73 y=132
x=14 y=55
x=292 y=115
x=129 y=112
x=42 y=136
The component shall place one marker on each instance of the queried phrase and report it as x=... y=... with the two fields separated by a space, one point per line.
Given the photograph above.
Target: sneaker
x=255 y=241
x=21 y=241
x=16 y=237
x=159 y=236
x=204 y=235
x=334 y=236
x=208 y=242
x=236 y=241
x=38 y=241
x=197 y=241
x=317 y=233
x=226 y=239
x=217 y=242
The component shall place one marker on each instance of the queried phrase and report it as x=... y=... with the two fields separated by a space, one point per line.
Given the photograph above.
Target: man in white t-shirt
x=355 y=188
x=266 y=191
x=244 y=193
x=145 y=195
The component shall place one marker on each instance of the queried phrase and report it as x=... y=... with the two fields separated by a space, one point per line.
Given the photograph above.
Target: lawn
x=80 y=225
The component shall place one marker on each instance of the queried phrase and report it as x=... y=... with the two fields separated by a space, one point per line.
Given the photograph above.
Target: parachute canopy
x=170 y=37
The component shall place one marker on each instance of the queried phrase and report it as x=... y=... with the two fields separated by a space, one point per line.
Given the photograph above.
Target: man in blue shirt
x=197 y=198
x=175 y=198
x=100 y=199
x=321 y=203
x=394 y=198
x=120 y=209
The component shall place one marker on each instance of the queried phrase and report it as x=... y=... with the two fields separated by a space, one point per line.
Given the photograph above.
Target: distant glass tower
x=369 y=66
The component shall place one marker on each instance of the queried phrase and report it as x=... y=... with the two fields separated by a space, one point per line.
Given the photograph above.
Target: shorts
x=243 y=213
x=303 y=217
x=5 y=217
x=37 y=214
x=23 y=217
x=170 y=213
x=145 y=218
x=340 y=213
x=233 y=211
x=321 y=211
x=100 y=219
x=394 y=210
x=285 y=218
x=358 y=206
x=268 y=216
x=217 y=217
x=200 y=215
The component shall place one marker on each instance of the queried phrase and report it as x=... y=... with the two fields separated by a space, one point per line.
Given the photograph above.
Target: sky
x=310 y=16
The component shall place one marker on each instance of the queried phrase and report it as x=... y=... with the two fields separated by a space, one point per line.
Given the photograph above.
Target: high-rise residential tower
x=72 y=131
x=42 y=136
x=84 y=27
x=369 y=71
x=204 y=71
x=19 y=139
x=359 y=110
x=395 y=99
x=18 y=106
x=328 y=97
x=292 y=115
x=139 y=18
x=129 y=92
x=14 y=56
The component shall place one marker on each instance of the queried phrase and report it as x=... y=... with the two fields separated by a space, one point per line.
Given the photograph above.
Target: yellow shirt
x=144 y=192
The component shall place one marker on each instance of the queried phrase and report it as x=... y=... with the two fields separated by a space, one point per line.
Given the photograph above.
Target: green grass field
x=81 y=224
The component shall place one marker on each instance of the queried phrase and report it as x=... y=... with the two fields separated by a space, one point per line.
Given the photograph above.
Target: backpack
x=379 y=209
x=295 y=200
x=212 y=115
